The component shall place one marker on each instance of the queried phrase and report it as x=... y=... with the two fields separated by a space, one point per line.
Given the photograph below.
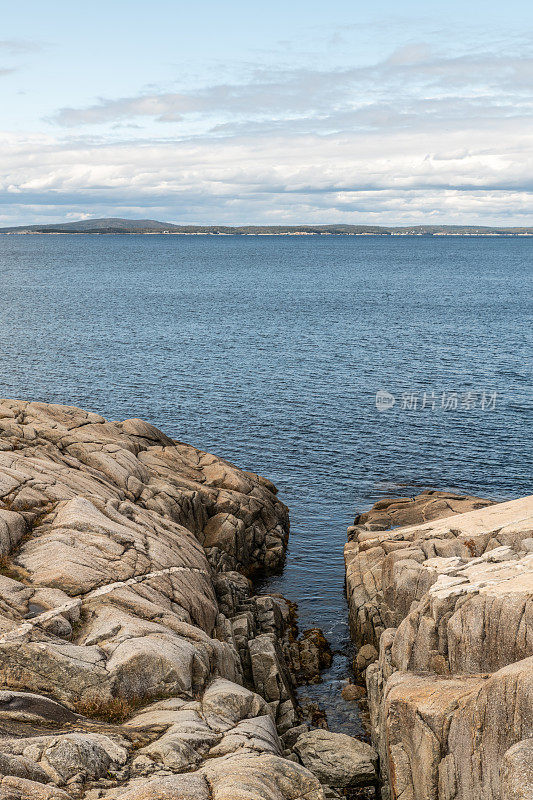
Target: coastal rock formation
x=449 y=603
x=370 y=614
x=308 y=655
x=339 y=761
x=134 y=660
x=427 y=506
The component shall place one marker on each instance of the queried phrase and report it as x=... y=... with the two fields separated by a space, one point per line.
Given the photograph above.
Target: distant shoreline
x=207 y=233
x=117 y=226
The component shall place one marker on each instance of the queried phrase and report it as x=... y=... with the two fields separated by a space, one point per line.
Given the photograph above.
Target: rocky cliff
x=135 y=661
x=442 y=585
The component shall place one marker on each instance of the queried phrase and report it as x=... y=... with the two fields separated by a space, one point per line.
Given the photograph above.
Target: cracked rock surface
x=449 y=604
x=134 y=661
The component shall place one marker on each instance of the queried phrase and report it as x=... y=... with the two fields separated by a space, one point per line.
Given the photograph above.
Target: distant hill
x=116 y=225
x=106 y=225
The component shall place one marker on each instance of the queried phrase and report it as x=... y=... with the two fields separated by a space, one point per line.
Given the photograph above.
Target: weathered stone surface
x=353 y=692
x=241 y=777
x=451 y=601
x=21 y=789
x=376 y=596
x=337 y=760
x=366 y=655
x=228 y=718
x=175 y=787
x=308 y=656
x=127 y=627
x=248 y=776
x=272 y=680
x=517 y=771
x=427 y=506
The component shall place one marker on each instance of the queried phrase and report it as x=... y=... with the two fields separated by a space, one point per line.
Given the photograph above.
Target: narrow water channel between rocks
x=314 y=579
x=269 y=351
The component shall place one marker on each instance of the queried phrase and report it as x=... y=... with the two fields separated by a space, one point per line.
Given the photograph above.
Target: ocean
x=345 y=369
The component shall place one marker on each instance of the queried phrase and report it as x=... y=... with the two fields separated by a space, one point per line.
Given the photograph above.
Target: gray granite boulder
x=337 y=760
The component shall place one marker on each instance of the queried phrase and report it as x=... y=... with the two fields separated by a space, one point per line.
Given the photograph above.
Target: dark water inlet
x=270 y=352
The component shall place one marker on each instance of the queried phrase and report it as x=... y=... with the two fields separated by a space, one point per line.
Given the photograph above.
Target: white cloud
x=411 y=76
x=461 y=175
x=15 y=47
x=418 y=136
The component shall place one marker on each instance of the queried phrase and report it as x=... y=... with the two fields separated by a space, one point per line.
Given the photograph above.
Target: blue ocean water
x=270 y=351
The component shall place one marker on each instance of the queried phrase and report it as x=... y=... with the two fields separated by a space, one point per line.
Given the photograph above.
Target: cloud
x=452 y=175
x=16 y=47
x=410 y=76
x=410 y=54
x=418 y=136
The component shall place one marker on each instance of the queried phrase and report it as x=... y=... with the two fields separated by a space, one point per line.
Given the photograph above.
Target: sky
x=267 y=113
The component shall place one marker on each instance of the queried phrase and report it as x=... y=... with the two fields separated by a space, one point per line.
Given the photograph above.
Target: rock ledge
x=449 y=603
x=135 y=661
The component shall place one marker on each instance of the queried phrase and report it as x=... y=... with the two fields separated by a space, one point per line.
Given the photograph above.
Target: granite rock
x=337 y=760
x=450 y=604
x=127 y=626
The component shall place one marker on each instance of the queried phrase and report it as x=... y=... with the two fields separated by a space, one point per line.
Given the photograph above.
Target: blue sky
x=267 y=113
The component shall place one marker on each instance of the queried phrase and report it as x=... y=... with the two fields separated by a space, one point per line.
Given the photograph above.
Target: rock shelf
x=135 y=660
x=448 y=602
